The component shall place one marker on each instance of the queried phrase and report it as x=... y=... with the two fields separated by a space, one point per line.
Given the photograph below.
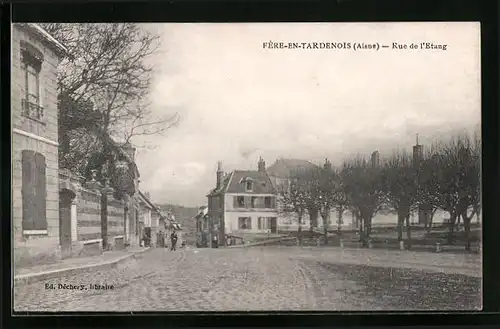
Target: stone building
x=35 y=171
x=243 y=201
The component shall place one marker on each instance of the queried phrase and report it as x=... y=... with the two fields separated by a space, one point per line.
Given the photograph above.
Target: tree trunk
x=325 y=228
x=361 y=231
x=467 y=221
x=451 y=226
x=431 y=217
x=368 y=227
x=299 y=230
x=339 y=221
x=408 y=229
x=458 y=222
x=400 y=226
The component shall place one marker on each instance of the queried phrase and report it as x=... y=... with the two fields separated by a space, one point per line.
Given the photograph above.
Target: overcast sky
x=238 y=101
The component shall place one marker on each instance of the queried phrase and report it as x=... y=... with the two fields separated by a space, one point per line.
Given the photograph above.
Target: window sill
x=34 y=119
x=35 y=232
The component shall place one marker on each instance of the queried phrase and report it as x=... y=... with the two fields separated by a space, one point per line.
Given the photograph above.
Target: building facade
x=243 y=201
x=35 y=170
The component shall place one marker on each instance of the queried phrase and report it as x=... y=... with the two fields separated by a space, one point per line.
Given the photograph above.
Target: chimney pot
x=261 y=165
x=220 y=175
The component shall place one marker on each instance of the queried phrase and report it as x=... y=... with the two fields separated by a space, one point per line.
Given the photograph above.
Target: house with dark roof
x=243 y=201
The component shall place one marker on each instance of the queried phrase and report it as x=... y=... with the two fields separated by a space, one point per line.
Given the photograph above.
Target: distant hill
x=185 y=217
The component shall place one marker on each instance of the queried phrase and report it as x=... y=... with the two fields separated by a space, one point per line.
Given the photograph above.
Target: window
x=239 y=201
x=31 y=61
x=249 y=185
x=34 y=191
x=254 y=202
x=267 y=201
x=245 y=223
x=262 y=223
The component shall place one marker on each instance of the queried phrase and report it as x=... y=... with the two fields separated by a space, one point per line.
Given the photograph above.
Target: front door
x=274 y=224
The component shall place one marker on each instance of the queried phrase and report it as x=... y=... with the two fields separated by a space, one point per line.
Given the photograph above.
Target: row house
x=151 y=220
x=35 y=171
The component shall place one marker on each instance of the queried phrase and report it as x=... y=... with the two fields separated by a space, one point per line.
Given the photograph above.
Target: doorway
x=273 y=221
x=65 y=202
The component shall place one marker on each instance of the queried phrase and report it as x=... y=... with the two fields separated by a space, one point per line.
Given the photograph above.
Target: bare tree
x=296 y=199
x=428 y=193
x=340 y=199
x=399 y=178
x=103 y=90
x=363 y=187
x=456 y=188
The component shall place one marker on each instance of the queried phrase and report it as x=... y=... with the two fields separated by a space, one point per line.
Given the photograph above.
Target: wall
x=232 y=214
x=88 y=215
x=40 y=137
x=116 y=220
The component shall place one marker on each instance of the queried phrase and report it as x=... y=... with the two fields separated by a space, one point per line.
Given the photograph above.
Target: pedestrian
x=173 y=240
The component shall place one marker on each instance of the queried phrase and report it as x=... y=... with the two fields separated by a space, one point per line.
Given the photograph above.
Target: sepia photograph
x=212 y=167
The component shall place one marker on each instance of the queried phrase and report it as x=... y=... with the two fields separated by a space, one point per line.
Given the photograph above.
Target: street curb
x=36 y=277
x=261 y=243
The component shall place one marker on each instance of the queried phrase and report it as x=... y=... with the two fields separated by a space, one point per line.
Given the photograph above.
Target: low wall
x=116 y=218
x=89 y=230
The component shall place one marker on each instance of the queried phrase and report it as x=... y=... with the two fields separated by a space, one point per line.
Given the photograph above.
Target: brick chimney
x=129 y=150
x=327 y=165
x=220 y=175
x=375 y=159
x=262 y=165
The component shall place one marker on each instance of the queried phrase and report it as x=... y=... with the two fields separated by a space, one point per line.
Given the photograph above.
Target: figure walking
x=173 y=240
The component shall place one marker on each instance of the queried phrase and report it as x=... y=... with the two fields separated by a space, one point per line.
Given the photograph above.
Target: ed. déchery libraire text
x=361 y=46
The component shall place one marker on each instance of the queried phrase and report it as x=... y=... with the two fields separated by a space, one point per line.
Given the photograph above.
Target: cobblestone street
x=252 y=279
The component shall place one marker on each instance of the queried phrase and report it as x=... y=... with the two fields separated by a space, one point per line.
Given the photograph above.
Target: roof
x=148 y=202
x=284 y=168
x=262 y=183
x=56 y=45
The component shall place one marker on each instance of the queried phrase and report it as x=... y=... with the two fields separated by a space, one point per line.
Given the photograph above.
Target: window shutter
x=248 y=201
x=235 y=201
x=273 y=202
x=28 y=189
x=259 y=223
x=41 y=193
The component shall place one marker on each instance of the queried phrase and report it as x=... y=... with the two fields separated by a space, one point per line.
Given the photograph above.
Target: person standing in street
x=173 y=240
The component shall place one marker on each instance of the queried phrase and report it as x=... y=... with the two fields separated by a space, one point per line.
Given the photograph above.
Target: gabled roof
x=261 y=182
x=284 y=168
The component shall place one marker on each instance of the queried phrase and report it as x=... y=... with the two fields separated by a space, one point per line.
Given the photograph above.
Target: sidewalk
x=70 y=266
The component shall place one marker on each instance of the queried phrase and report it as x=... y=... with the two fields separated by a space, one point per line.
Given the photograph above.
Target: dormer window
x=249 y=185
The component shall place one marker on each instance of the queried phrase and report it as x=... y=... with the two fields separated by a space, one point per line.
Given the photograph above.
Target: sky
x=238 y=101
